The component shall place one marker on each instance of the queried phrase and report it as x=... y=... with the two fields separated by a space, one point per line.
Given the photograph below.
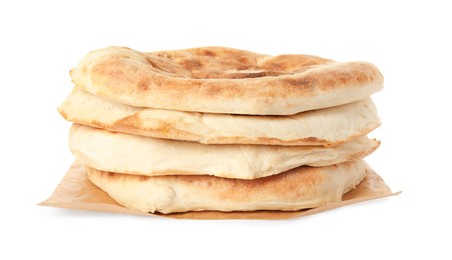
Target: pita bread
x=125 y=153
x=299 y=188
x=224 y=80
x=327 y=127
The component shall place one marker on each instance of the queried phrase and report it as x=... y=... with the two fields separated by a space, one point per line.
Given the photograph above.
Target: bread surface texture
x=224 y=80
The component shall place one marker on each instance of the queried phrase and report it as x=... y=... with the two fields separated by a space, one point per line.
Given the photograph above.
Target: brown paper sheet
x=76 y=192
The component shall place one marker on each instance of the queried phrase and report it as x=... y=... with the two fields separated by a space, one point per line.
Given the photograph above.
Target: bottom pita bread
x=299 y=188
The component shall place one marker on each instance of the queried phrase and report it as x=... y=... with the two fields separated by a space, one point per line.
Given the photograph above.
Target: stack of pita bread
x=221 y=129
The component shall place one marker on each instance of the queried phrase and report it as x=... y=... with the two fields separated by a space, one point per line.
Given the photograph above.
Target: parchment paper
x=76 y=192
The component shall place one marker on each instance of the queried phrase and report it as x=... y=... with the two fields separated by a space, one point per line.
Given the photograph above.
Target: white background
x=408 y=40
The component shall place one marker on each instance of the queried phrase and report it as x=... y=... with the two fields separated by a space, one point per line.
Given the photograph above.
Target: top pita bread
x=224 y=80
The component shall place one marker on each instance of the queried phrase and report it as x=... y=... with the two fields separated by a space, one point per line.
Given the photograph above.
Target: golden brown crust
x=232 y=188
x=224 y=80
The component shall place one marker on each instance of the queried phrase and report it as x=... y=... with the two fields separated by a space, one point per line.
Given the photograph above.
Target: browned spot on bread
x=133 y=124
x=110 y=70
x=207 y=53
x=190 y=64
x=62 y=113
x=129 y=122
x=236 y=189
x=307 y=84
x=361 y=77
x=313 y=139
x=288 y=179
x=95 y=123
x=251 y=74
x=143 y=85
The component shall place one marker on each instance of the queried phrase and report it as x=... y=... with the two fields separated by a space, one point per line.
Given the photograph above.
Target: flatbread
x=125 y=153
x=300 y=188
x=224 y=80
x=327 y=127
